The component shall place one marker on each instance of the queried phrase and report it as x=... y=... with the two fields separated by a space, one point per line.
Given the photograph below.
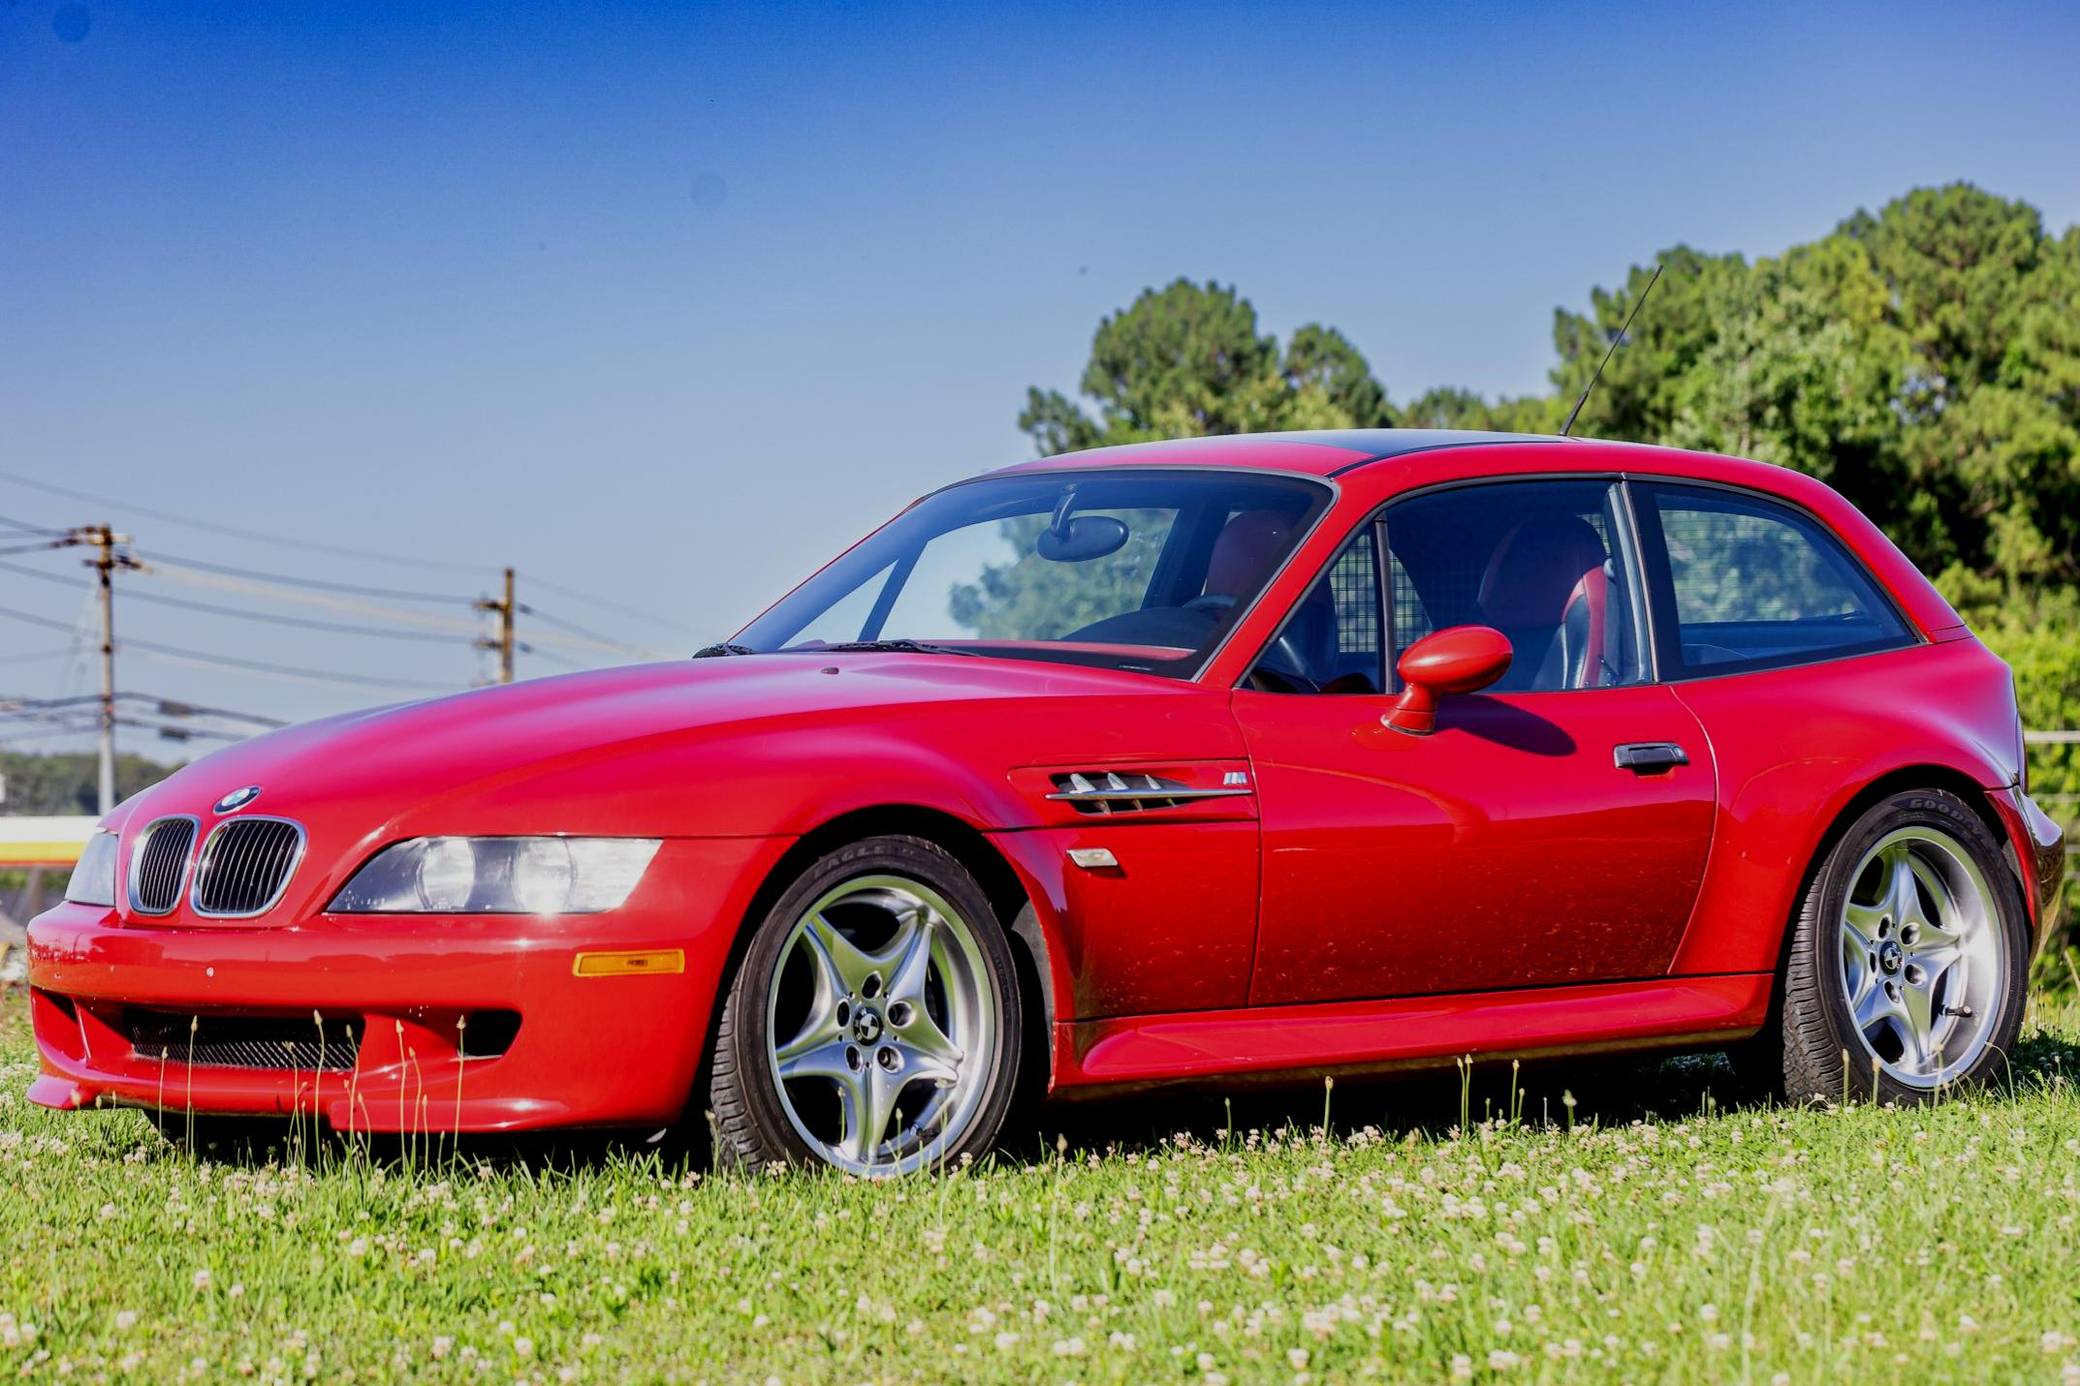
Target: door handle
x=1648 y=757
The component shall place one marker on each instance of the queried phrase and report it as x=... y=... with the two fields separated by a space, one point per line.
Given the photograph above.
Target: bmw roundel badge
x=237 y=799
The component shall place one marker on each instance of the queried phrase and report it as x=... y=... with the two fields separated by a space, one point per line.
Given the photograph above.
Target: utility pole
x=105 y=562
x=505 y=608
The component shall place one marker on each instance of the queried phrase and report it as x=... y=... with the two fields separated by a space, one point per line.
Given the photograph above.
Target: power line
x=11 y=738
x=303 y=622
x=36 y=655
x=592 y=638
x=169 y=707
x=259 y=666
x=236 y=531
x=179 y=733
x=231 y=662
x=574 y=628
x=74 y=727
x=44 y=621
x=173 y=572
x=355 y=589
x=564 y=661
x=42 y=576
x=28 y=528
x=605 y=603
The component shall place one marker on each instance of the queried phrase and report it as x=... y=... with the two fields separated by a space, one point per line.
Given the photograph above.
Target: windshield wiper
x=725 y=648
x=895 y=646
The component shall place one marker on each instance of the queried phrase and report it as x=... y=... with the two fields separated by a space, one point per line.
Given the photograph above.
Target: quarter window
x=1330 y=643
x=1753 y=584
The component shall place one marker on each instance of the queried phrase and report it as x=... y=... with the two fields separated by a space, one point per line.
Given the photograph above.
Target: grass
x=1643 y=1233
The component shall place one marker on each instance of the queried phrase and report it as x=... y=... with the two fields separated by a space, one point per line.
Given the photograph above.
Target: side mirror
x=1458 y=659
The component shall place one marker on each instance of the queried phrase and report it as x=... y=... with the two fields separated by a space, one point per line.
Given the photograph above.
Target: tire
x=1899 y=988
x=881 y=978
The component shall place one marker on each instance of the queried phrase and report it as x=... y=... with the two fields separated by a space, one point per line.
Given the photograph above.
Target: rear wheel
x=873 y=1025
x=1909 y=961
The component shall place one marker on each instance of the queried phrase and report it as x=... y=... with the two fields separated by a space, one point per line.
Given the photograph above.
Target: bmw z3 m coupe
x=1261 y=757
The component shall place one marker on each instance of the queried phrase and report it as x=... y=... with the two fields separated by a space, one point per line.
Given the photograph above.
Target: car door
x=1522 y=843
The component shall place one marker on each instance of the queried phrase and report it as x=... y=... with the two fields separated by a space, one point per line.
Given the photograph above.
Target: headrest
x=1535 y=569
x=1247 y=546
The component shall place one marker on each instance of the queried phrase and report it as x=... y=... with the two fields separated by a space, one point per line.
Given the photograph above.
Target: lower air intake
x=241 y=1041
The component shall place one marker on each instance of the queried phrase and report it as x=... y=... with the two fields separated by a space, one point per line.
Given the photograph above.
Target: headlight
x=94 y=874
x=497 y=875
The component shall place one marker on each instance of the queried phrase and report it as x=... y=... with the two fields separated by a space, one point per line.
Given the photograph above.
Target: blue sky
x=665 y=304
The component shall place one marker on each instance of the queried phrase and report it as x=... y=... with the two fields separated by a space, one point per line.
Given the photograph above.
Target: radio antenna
x=1610 y=351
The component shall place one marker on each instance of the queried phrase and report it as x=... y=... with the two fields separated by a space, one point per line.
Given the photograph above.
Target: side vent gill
x=1131 y=791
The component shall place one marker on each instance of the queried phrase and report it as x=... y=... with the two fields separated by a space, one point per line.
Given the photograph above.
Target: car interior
x=1529 y=560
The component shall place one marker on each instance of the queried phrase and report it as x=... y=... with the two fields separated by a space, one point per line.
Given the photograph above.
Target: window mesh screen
x=1354 y=581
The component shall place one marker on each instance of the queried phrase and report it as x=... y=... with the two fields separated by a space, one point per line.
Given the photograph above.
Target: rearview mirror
x=1458 y=659
x=1082 y=539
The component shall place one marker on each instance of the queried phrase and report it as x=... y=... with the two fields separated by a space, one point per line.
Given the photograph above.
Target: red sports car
x=1271 y=756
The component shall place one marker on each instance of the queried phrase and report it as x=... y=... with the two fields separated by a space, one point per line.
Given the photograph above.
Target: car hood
x=624 y=750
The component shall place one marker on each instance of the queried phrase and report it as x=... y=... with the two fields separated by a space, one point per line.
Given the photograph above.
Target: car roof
x=1322 y=452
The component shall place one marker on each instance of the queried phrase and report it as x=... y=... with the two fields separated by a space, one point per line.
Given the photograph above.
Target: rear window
x=1750 y=583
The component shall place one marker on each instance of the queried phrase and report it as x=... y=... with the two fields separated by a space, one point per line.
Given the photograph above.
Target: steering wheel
x=1283 y=663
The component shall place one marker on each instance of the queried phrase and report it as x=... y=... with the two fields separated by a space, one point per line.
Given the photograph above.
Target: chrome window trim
x=188 y=859
x=303 y=843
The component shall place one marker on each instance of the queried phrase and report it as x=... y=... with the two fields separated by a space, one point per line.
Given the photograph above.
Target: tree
x=1924 y=360
x=1189 y=360
x=65 y=784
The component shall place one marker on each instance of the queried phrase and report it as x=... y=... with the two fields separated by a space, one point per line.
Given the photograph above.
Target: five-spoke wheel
x=883 y=994
x=872 y=1026
x=1907 y=965
x=1922 y=955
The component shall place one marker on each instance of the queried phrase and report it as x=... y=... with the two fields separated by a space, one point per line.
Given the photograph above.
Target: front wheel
x=873 y=1024
x=1909 y=961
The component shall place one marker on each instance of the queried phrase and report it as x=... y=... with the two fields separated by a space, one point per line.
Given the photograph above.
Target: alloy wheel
x=882 y=1021
x=1924 y=957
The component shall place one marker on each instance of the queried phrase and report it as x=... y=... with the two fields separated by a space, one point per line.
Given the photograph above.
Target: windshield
x=1142 y=570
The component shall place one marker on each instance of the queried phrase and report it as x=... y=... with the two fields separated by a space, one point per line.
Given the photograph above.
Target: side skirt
x=1298 y=1042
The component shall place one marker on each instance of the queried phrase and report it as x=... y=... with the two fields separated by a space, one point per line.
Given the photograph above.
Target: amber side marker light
x=633 y=964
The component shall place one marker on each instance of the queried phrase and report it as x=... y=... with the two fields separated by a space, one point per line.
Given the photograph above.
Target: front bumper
x=599 y=1050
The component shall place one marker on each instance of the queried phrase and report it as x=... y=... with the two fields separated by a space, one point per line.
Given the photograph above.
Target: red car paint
x=1382 y=900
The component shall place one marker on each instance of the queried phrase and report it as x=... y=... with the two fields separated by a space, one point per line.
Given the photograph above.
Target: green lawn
x=1655 y=1237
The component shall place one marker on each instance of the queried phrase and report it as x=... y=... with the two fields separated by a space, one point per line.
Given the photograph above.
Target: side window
x=1547 y=563
x=1330 y=642
x=1753 y=584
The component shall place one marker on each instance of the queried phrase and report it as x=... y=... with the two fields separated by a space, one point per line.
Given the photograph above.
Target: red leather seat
x=1547 y=587
x=1243 y=555
x=1243 y=552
